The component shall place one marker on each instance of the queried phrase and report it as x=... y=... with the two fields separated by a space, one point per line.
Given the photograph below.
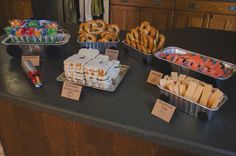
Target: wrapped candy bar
x=32 y=73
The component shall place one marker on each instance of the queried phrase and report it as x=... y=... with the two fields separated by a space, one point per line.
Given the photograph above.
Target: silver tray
x=146 y=58
x=101 y=46
x=63 y=38
x=177 y=50
x=190 y=107
x=123 y=71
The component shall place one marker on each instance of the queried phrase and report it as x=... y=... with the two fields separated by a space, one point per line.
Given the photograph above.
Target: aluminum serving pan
x=123 y=71
x=146 y=58
x=62 y=38
x=190 y=107
x=101 y=46
x=171 y=50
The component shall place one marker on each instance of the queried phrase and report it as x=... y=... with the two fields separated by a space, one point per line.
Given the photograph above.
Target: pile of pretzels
x=145 y=38
x=98 y=31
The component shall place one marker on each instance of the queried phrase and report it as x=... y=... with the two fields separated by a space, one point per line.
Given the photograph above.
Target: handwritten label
x=71 y=91
x=163 y=110
x=35 y=60
x=113 y=54
x=154 y=77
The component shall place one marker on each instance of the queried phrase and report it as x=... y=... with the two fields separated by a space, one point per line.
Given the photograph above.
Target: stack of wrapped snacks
x=100 y=71
x=74 y=65
x=90 y=68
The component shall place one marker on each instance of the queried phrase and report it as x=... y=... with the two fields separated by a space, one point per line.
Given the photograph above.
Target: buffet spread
x=89 y=66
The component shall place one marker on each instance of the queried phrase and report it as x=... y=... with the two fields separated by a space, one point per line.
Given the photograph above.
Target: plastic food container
x=101 y=46
x=56 y=49
x=146 y=58
x=190 y=107
x=189 y=71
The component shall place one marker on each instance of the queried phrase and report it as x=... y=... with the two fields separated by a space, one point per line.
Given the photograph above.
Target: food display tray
x=186 y=70
x=101 y=46
x=123 y=71
x=146 y=58
x=190 y=107
x=55 y=50
x=62 y=38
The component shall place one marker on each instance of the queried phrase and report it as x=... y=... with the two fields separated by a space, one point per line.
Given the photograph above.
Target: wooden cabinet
x=130 y=13
x=205 y=14
x=159 y=18
x=126 y=17
x=184 y=19
x=222 y=22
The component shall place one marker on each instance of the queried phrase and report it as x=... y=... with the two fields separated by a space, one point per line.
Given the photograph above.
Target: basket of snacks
x=191 y=63
x=191 y=95
x=91 y=69
x=144 y=40
x=97 y=34
x=33 y=36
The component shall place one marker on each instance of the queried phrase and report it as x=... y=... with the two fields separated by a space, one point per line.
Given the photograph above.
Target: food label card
x=35 y=60
x=163 y=110
x=71 y=91
x=154 y=77
x=113 y=54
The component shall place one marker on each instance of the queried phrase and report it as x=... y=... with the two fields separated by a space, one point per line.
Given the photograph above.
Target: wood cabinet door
x=126 y=17
x=222 y=22
x=159 y=18
x=184 y=19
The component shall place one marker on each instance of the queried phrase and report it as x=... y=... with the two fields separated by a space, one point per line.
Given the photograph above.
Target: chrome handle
x=232 y=8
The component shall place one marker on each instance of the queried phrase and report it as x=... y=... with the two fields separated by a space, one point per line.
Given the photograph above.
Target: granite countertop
x=128 y=109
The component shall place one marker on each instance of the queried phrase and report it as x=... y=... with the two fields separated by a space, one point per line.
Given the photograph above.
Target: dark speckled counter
x=128 y=109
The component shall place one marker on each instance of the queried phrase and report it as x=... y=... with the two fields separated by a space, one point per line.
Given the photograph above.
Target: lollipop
x=52 y=32
x=15 y=23
x=33 y=23
x=8 y=30
x=32 y=30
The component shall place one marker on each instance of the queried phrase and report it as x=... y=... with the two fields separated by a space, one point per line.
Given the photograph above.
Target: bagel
x=106 y=33
x=139 y=46
x=133 y=44
x=150 y=46
x=145 y=26
x=110 y=38
x=135 y=35
x=162 y=41
x=113 y=28
x=127 y=41
x=152 y=32
x=143 y=49
x=130 y=37
x=96 y=30
x=144 y=39
x=103 y=40
x=101 y=24
x=90 y=37
x=81 y=28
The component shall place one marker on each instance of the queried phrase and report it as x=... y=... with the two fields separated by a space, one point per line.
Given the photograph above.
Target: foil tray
x=146 y=58
x=115 y=83
x=101 y=46
x=186 y=70
x=62 y=38
x=190 y=107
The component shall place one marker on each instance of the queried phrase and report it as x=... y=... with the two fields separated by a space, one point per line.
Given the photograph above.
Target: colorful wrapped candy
x=32 y=31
